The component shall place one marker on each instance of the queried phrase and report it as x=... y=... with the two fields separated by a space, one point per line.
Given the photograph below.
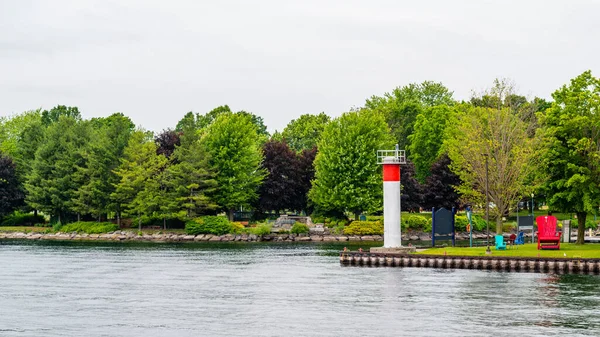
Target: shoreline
x=133 y=236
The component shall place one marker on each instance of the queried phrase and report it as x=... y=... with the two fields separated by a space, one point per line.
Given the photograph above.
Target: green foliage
x=88 y=227
x=237 y=228
x=508 y=227
x=233 y=145
x=570 y=155
x=299 y=228
x=304 y=133
x=402 y=106
x=426 y=141
x=500 y=138
x=364 y=228
x=591 y=224
x=216 y=225
x=262 y=229
x=139 y=191
x=22 y=219
x=53 y=182
x=416 y=222
x=460 y=223
x=479 y=223
x=346 y=172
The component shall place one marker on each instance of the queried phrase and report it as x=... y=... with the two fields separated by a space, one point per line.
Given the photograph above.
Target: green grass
x=527 y=250
x=24 y=229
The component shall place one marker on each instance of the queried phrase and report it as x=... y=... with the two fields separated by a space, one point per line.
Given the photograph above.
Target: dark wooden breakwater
x=497 y=263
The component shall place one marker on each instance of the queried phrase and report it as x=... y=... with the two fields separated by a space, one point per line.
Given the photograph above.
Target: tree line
x=221 y=161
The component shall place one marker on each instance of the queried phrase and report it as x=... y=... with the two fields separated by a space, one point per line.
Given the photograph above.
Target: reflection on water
x=233 y=289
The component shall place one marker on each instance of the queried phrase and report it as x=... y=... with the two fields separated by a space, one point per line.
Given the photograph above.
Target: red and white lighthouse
x=391 y=161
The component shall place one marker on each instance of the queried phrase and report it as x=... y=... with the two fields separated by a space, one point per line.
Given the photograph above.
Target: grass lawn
x=527 y=250
x=24 y=229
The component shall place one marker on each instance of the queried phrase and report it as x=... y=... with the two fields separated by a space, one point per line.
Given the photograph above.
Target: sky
x=156 y=60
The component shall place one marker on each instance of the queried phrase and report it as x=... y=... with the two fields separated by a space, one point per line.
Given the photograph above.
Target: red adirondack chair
x=548 y=236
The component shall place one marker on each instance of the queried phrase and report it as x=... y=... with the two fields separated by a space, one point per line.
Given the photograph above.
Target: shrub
x=460 y=223
x=262 y=229
x=590 y=224
x=364 y=228
x=210 y=224
x=237 y=228
x=22 y=219
x=317 y=219
x=417 y=222
x=88 y=227
x=478 y=223
x=299 y=228
x=508 y=227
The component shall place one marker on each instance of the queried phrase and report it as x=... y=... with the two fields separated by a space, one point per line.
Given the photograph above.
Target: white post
x=392 y=234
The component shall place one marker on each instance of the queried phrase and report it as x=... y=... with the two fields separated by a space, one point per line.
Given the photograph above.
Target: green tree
x=501 y=137
x=11 y=195
x=190 y=182
x=427 y=138
x=571 y=155
x=233 y=145
x=304 y=133
x=346 y=171
x=108 y=139
x=139 y=191
x=11 y=129
x=52 y=115
x=52 y=184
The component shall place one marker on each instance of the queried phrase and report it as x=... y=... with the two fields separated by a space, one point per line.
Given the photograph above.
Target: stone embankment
x=171 y=237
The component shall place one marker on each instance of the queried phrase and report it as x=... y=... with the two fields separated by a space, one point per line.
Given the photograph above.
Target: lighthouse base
x=396 y=250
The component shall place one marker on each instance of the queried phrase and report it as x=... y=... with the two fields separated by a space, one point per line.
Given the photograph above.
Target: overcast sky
x=157 y=60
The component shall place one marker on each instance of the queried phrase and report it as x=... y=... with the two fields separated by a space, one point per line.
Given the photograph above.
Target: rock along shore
x=130 y=236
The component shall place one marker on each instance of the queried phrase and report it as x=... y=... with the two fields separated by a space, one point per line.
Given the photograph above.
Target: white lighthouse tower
x=392 y=233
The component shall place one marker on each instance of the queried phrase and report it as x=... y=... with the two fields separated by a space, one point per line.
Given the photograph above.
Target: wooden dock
x=496 y=263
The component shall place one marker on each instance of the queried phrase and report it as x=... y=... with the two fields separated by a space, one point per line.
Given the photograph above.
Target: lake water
x=102 y=289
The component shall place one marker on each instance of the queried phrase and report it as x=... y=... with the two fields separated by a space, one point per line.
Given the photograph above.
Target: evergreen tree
x=52 y=183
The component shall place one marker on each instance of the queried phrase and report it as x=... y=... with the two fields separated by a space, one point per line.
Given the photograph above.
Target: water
x=84 y=289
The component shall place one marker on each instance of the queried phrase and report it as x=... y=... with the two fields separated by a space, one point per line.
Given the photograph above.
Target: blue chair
x=520 y=240
x=500 y=245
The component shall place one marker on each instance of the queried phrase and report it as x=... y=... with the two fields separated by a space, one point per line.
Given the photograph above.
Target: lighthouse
x=392 y=233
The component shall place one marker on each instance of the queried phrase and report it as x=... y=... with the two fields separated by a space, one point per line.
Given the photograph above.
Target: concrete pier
x=497 y=263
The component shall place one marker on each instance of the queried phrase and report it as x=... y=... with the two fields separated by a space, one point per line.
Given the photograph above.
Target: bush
x=216 y=225
x=88 y=227
x=508 y=227
x=478 y=223
x=299 y=228
x=262 y=229
x=237 y=228
x=417 y=222
x=318 y=219
x=364 y=228
x=22 y=219
x=589 y=224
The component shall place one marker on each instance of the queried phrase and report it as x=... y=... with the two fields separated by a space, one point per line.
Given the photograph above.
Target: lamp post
x=487 y=205
x=533 y=215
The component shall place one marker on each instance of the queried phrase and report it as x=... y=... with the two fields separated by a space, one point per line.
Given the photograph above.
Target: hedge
x=217 y=225
x=364 y=228
x=89 y=227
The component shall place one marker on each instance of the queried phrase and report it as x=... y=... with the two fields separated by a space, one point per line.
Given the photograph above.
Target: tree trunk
x=118 y=219
x=140 y=224
x=581 y=227
x=35 y=213
x=499 y=225
x=164 y=223
x=230 y=215
x=356 y=215
x=78 y=217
